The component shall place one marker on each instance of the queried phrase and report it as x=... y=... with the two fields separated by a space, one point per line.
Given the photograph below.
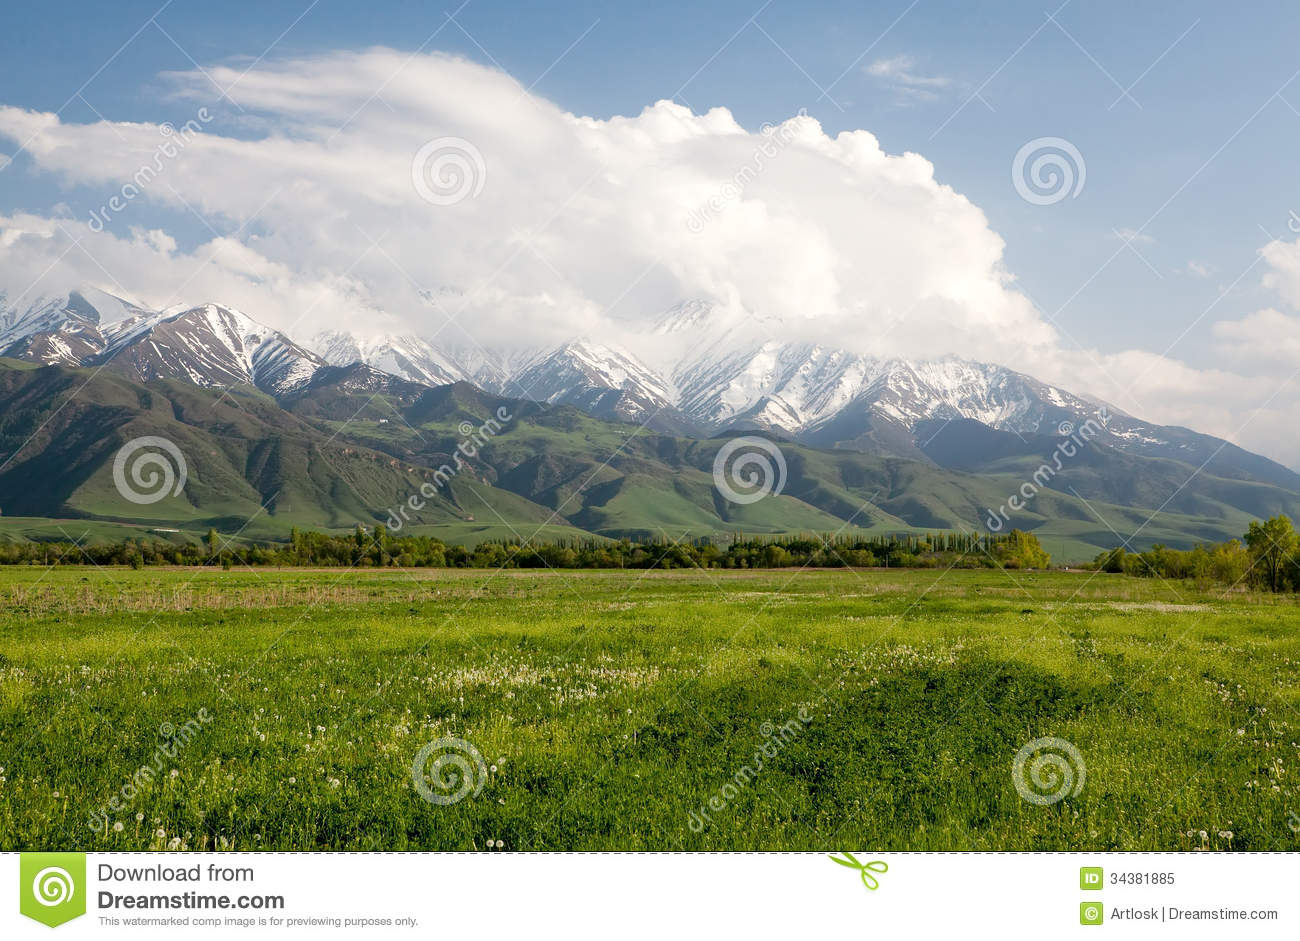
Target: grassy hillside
x=618 y=480
x=356 y=446
x=251 y=466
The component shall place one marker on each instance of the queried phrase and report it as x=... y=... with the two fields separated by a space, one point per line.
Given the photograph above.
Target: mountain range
x=870 y=442
x=209 y=345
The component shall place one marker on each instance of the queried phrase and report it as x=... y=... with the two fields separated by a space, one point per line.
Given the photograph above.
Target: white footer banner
x=644 y=895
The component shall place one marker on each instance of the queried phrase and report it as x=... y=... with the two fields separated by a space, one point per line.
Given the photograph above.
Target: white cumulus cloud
x=571 y=226
x=581 y=225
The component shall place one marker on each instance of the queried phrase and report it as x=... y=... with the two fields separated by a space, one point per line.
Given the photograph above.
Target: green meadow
x=646 y=710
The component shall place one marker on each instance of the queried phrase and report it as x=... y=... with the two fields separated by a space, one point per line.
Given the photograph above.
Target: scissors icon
x=876 y=865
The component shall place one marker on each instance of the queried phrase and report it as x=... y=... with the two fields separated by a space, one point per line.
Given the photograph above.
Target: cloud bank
x=381 y=192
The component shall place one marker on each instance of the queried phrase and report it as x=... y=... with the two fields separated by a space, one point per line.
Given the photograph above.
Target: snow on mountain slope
x=793 y=385
x=497 y=370
x=687 y=317
x=65 y=329
x=706 y=369
x=954 y=388
x=598 y=379
x=702 y=367
x=734 y=372
x=699 y=369
x=210 y=346
x=23 y=316
x=407 y=357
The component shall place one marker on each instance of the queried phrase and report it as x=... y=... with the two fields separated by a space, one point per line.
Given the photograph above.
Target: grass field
x=629 y=710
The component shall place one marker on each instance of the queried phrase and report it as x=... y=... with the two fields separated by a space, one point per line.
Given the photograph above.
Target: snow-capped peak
x=685 y=316
x=209 y=345
x=699 y=368
x=597 y=378
x=409 y=357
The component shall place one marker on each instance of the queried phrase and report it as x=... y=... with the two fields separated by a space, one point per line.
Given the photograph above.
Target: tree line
x=378 y=547
x=1266 y=558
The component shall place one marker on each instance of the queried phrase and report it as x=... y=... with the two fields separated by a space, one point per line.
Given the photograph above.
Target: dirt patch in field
x=1164 y=607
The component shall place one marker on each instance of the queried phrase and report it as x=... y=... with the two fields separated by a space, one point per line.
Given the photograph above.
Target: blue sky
x=1182 y=112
